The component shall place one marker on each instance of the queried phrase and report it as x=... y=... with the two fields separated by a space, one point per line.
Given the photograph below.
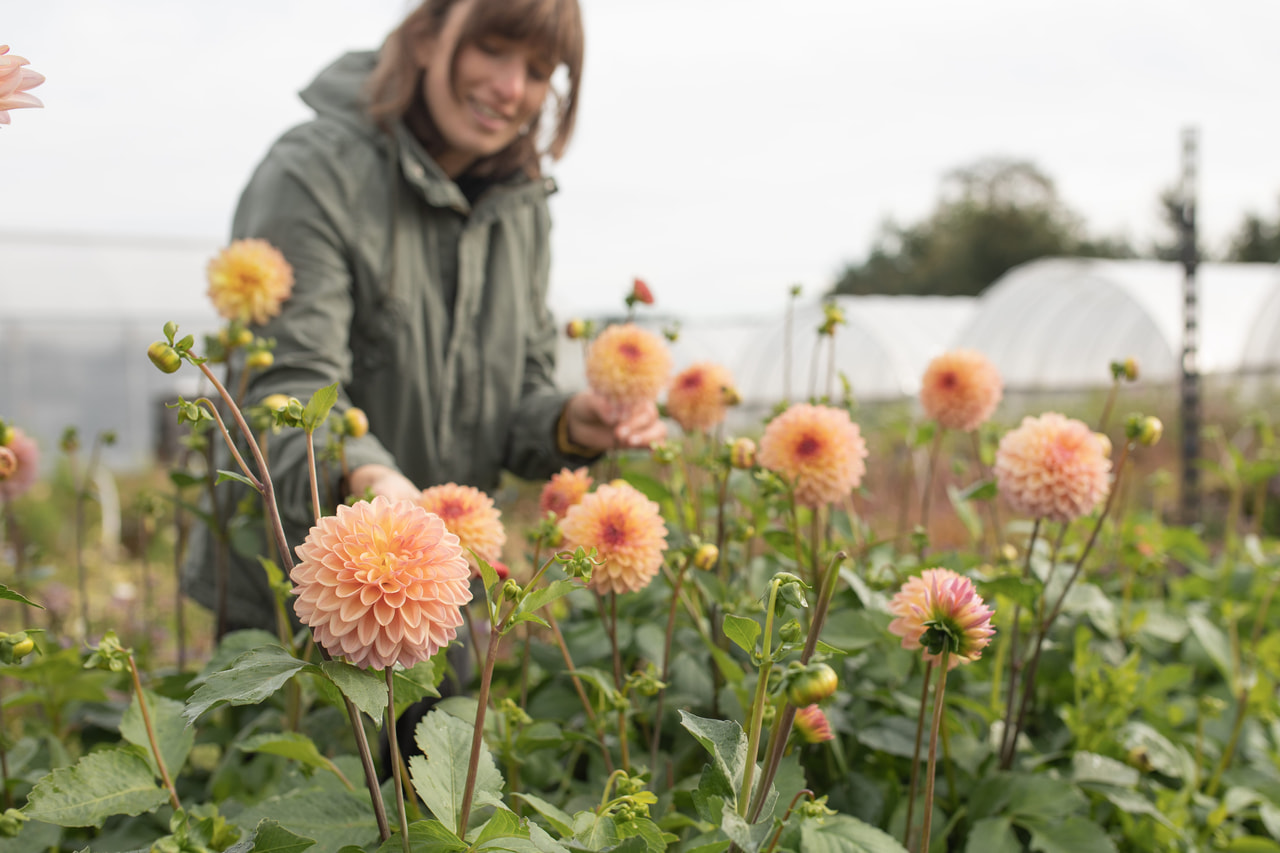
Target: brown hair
x=553 y=26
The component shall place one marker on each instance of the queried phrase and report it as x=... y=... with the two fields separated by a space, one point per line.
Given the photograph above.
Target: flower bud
x=11 y=823
x=743 y=454
x=276 y=402
x=242 y=337
x=1105 y=441
x=6 y=434
x=576 y=329
x=259 y=360
x=815 y=683
x=640 y=292
x=511 y=590
x=812 y=725
x=164 y=357
x=356 y=422
x=1151 y=431
x=1130 y=369
x=706 y=556
x=1008 y=552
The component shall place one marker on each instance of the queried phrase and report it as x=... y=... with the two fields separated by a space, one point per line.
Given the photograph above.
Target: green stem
x=394 y=741
x=926 y=498
x=1106 y=409
x=624 y=752
x=938 y=704
x=1007 y=743
x=311 y=471
x=582 y=693
x=666 y=668
x=915 y=755
x=757 y=706
x=477 y=736
x=151 y=736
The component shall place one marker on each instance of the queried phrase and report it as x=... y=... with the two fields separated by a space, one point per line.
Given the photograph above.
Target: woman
x=414 y=214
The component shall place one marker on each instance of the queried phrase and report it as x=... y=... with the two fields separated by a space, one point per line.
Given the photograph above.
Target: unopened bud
x=743 y=454
x=1151 y=431
x=576 y=329
x=259 y=360
x=356 y=422
x=276 y=402
x=511 y=590
x=6 y=434
x=706 y=557
x=164 y=357
x=1130 y=369
x=1008 y=552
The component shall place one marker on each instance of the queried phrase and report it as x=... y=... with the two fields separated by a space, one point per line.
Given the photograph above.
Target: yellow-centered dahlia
x=960 y=389
x=628 y=365
x=469 y=514
x=249 y=281
x=700 y=395
x=381 y=583
x=818 y=449
x=941 y=609
x=1052 y=467
x=626 y=530
x=23 y=467
x=564 y=490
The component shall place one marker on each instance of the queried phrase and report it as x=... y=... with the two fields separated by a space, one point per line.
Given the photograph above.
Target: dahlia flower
x=960 y=390
x=626 y=530
x=817 y=449
x=564 y=490
x=699 y=396
x=812 y=724
x=14 y=83
x=640 y=292
x=381 y=583
x=627 y=365
x=26 y=464
x=469 y=514
x=941 y=609
x=1052 y=467
x=249 y=281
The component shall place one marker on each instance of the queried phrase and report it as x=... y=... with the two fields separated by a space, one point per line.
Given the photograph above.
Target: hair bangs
x=552 y=27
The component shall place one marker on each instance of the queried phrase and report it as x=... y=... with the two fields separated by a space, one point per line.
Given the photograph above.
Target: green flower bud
x=706 y=556
x=356 y=422
x=815 y=683
x=164 y=357
x=259 y=360
x=1151 y=431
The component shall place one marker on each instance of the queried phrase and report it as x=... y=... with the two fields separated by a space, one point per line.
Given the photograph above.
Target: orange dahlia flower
x=25 y=466
x=818 y=449
x=469 y=514
x=626 y=530
x=941 y=607
x=14 y=83
x=563 y=491
x=628 y=365
x=381 y=583
x=813 y=725
x=699 y=396
x=1052 y=467
x=960 y=389
x=249 y=281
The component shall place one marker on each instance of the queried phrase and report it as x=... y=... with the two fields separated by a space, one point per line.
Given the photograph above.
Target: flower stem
x=582 y=693
x=915 y=755
x=394 y=741
x=939 y=699
x=993 y=508
x=624 y=756
x=477 y=736
x=757 y=707
x=926 y=497
x=311 y=470
x=666 y=668
x=151 y=735
x=1007 y=744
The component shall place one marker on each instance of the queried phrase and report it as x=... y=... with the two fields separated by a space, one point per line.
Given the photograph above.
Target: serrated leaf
x=271 y=837
x=654 y=839
x=744 y=632
x=232 y=646
x=993 y=835
x=318 y=407
x=440 y=773
x=7 y=594
x=292 y=745
x=365 y=688
x=725 y=740
x=416 y=682
x=425 y=836
x=174 y=737
x=540 y=598
x=1072 y=835
x=559 y=820
x=594 y=832
x=104 y=783
x=1091 y=767
x=844 y=834
x=1215 y=644
x=250 y=679
x=1023 y=591
x=225 y=475
x=747 y=836
x=334 y=818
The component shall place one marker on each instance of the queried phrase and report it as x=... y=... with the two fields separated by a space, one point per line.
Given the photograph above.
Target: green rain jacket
x=378 y=236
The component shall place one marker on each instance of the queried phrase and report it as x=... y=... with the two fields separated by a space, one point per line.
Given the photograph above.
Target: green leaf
x=1023 y=591
x=750 y=837
x=1215 y=644
x=232 y=646
x=1091 y=767
x=173 y=736
x=183 y=479
x=725 y=740
x=538 y=599
x=425 y=836
x=656 y=842
x=440 y=773
x=744 y=632
x=317 y=410
x=1072 y=835
x=650 y=487
x=271 y=837
x=102 y=784
x=365 y=688
x=983 y=490
x=993 y=835
x=844 y=834
x=292 y=745
x=559 y=820
x=252 y=677
x=594 y=832
x=416 y=682
x=7 y=594
x=1252 y=844
x=225 y=475
x=334 y=818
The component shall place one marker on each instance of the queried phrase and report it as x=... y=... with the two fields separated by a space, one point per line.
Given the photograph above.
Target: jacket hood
x=338 y=91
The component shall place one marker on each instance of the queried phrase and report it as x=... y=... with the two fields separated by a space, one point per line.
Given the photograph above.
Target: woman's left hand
x=596 y=423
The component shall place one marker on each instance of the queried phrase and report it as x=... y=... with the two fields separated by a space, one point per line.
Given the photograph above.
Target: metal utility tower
x=1190 y=385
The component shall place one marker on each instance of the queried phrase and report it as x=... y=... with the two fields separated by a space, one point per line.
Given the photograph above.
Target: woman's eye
x=540 y=71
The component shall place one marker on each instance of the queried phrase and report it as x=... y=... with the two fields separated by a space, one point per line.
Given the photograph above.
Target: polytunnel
x=1058 y=323
x=1262 y=347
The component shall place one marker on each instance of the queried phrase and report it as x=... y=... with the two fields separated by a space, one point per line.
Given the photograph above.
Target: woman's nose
x=511 y=78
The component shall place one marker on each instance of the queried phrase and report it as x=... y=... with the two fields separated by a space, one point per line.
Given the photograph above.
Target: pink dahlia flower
x=628 y=365
x=469 y=514
x=960 y=390
x=15 y=81
x=627 y=531
x=941 y=606
x=249 y=281
x=1052 y=467
x=381 y=583
x=26 y=464
x=564 y=490
x=813 y=725
x=818 y=449
x=699 y=396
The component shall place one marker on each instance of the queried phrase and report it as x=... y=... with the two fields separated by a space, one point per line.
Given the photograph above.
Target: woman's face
x=498 y=86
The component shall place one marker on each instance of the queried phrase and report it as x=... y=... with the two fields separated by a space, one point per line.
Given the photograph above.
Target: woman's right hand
x=381 y=480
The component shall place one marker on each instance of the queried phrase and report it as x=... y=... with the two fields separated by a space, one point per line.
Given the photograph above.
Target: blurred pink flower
x=26 y=458
x=699 y=396
x=563 y=491
x=627 y=531
x=818 y=449
x=628 y=365
x=813 y=725
x=946 y=603
x=960 y=390
x=14 y=83
x=469 y=514
x=1052 y=467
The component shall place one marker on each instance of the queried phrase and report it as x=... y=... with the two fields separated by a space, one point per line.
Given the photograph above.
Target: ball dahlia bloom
x=249 y=281
x=628 y=365
x=700 y=395
x=939 y=607
x=818 y=449
x=25 y=464
x=1052 y=467
x=960 y=390
x=469 y=514
x=813 y=725
x=564 y=490
x=381 y=583
x=15 y=81
x=627 y=531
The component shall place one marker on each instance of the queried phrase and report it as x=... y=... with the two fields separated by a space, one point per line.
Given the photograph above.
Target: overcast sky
x=726 y=148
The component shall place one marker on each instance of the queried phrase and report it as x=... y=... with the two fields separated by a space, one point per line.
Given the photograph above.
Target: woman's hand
x=381 y=480
x=596 y=423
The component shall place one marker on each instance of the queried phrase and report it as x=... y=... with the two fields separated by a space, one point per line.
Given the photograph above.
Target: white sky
x=726 y=148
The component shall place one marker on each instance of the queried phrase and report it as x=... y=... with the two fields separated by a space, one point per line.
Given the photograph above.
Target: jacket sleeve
x=303 y=219
x=531 y=451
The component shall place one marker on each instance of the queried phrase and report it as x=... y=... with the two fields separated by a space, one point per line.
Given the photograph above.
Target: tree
x=991 y=216
x=1255 y=241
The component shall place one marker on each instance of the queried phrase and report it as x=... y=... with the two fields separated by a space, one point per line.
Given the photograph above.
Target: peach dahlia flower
x=249 y=281
x=699 y=396
x=628 y=365
x=627 y=531
x=26 y=464
x=469 y=514
x=381 y=583
x=15 y=80
x=818 y=449
x=564 y=490
x=1052 y=467
x=960 y=389
x=945 y=603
